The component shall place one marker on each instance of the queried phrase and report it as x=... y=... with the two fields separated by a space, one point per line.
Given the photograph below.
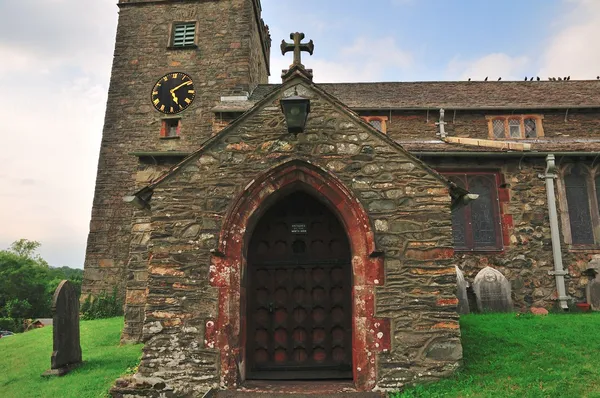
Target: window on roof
x=579 y=190
x=477 y=227
x=378 y=122
x=515 y=127
x=184 y=34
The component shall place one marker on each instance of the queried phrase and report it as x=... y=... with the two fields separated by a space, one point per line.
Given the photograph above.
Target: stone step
x=251 y=394
x=295 y=389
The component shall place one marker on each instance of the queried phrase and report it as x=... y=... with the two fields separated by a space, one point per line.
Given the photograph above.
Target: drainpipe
x=559 y=273
x=441 y=123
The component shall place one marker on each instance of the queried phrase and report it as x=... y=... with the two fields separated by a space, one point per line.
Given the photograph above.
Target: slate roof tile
x=460 y=95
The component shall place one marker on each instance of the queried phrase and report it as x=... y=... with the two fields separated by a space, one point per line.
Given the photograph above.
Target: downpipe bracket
x=560 y=273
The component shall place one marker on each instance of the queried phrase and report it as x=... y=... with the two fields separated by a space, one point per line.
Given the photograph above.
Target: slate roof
x=459 y=95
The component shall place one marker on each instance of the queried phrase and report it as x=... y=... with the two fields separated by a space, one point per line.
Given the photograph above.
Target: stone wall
x=526 y=257
x=408 y=207
x=222 y=61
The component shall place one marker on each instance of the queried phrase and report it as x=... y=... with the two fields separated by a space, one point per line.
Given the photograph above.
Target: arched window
x=577 y=181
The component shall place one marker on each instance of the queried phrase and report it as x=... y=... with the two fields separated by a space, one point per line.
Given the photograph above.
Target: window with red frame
x=477 y=226
x=170 y=128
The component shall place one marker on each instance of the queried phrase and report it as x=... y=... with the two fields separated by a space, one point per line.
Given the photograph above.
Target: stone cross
x=297 y=48
x=66 y=354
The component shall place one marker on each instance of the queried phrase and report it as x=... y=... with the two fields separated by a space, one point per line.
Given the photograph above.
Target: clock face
x=173 y=93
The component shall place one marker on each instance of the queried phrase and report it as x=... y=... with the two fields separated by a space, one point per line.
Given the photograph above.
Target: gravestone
x=66 y=354
x=492 y=291
x=593 y=286
x=461 y=292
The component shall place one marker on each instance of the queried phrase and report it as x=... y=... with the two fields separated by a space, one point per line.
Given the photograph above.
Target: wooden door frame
x=228 y=268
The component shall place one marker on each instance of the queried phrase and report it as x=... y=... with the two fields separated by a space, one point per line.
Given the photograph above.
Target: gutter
x=500 y=154
x=559 y=272
x=463 y=108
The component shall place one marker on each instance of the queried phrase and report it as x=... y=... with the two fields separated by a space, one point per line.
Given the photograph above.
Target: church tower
x=173 y=61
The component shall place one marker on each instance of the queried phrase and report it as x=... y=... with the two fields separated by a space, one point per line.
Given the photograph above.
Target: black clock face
x=173 y=93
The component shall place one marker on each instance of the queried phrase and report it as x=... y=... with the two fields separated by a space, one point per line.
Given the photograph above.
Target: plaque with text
x=299 y=228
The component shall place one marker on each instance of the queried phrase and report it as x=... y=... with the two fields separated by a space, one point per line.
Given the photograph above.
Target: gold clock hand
x=181 y=85
x=175 y=99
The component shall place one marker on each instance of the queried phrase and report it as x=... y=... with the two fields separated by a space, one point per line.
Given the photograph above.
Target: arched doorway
x=299 y=293
x=229 y=269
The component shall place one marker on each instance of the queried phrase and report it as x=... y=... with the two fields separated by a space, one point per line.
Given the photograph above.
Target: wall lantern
x=296 y=110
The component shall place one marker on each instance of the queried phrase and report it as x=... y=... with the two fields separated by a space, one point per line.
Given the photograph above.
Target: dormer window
x=378 y=122
x=184 y=35
x=515 y=127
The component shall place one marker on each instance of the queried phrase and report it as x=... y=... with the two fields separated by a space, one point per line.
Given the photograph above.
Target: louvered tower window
x=184 y=34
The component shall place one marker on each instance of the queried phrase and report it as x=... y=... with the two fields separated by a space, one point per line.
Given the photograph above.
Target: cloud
x=54 y=77
x=572 y=50
x=491 y=65
x=59 y=31
x=569 y=51
x=359 y=62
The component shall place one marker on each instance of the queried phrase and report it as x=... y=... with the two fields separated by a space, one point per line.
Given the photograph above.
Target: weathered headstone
x=461 y=292
x=493 y=291
x=66 y=354
x=593 y=287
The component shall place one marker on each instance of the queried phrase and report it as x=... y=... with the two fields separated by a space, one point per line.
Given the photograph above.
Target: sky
x=56 y=58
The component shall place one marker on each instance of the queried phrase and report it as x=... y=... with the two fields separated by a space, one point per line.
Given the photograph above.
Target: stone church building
x=261 y=233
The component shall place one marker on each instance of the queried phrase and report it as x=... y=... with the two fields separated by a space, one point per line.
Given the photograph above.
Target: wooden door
x=299 y=293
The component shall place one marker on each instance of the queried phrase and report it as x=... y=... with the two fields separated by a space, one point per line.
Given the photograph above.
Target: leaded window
x=378 y=122
x=515 y=127
x=498 y=127
x=581 y=190
x=184 y=34
x=477 y=226
x=530 y=128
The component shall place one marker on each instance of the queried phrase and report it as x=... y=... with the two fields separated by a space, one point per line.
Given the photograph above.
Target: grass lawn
x=24 y=357
x=509 y=355
x=505 y=355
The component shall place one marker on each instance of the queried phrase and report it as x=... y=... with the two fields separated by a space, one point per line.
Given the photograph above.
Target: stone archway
x=228 y=268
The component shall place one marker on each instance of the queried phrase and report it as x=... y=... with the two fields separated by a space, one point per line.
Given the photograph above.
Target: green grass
x=510 y=355
x=24 y=357
x=505 y=355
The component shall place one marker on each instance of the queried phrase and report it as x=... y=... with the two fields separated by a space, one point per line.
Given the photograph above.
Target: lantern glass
x=296 y=110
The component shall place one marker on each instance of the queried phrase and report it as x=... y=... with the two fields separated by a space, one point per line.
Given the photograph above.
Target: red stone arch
x=369 y=335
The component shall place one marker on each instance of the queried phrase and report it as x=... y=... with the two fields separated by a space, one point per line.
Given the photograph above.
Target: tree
x=23 y=279
x=27 y=249
x=27 y=282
